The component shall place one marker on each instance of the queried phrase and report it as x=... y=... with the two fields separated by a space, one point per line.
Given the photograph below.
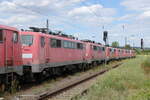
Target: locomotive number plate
x=26 y=55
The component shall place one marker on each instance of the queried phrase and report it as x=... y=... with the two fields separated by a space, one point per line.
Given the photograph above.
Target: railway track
x=70 y=84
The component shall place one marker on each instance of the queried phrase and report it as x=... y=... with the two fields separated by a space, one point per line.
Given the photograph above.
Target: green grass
x=142 y=52
x=146 y=66
x=128 y=82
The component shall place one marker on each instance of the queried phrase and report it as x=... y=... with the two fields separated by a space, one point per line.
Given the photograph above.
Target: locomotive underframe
x=37 y=68
x=10 y=69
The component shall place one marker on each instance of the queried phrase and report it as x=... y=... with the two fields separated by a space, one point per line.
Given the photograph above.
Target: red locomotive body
x=42 y=51
x=124 y=53
x=132 y=53
x=120 y=53
x=94 y=52
x=10 y=54
x=116 y=53
x=110 y=54
x=113 y=51
x=128 y=53
x=10 y=50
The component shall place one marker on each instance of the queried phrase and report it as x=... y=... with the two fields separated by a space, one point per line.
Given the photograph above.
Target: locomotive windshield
x=27 y=40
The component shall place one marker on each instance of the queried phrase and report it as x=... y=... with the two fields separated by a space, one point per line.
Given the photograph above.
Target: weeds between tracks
x=146 y=66
x=128 y=82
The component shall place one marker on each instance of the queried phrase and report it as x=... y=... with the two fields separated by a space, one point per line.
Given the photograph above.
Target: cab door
x=42 y=50
x=2 y=48
x=8 y=48
x=17 y=54
x=47 y=53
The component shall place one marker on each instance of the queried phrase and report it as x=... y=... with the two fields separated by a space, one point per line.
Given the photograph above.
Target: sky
x=86 y=19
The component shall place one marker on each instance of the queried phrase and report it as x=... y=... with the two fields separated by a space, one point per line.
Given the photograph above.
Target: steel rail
x=58 y=90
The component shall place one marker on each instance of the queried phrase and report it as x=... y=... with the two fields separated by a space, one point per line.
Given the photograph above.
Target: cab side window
x=79 y=46
x=110 y=50
x=65 y=44
x=42 y=41
x=1 y=36
x=69 y=44
x=103 y=48
x=55 y=43
x=95 y=48
x=15 y=37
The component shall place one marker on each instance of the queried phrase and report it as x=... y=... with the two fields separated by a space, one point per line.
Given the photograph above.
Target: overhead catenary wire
x=43 y=14
x=95 y=14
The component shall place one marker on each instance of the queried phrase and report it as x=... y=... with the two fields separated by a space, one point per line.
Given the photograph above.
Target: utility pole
x=103 y=27
x=93 y=37
x=125 y=41
x=123 y=27
x=47 y=26
x=142 y=43
x=133 y=45
x=133 y=40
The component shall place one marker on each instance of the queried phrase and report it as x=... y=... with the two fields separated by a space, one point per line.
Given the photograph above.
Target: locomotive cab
x=10 y=56
x=10 y=50
x=27 y=46
x=30 y=50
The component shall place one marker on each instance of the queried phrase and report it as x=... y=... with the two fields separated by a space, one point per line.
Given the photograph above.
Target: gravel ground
x=69 y=94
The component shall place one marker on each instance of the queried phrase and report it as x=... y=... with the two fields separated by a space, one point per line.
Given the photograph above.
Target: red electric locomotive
x=116 y=53
x=45 y=53
x=10 y=55
x=95 y=52
x=132 y=53
x=110 y=53
x=120 y=53
x=124 y=53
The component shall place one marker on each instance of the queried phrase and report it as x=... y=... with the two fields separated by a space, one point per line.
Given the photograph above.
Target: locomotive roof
x=58 y=37
x=96 y=44
x=50 y=35
x=8 y=28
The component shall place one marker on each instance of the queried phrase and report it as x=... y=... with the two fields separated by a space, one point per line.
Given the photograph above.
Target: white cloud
x=144 y=15
x=22 y=10
x=138 y=5
x=95 y=15
x=18 y=19
x=127 y=17
x=141 y=9
x=59 y=12
x=85 y=10
x=37 y=6
x=96 y=9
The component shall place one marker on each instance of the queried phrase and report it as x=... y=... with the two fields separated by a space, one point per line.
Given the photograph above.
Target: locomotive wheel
x=88 y=66
x=94 y=64
x=2 y=87
x=39 y=78
x=15 y=86
x=84 y=67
